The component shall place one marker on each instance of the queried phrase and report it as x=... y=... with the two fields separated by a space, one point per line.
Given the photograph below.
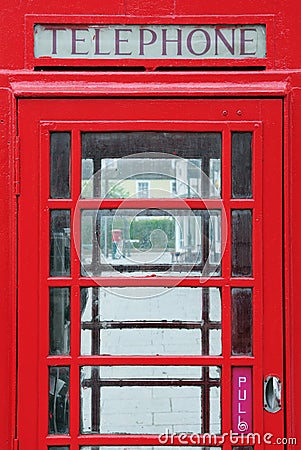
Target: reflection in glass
x=163 y=164
x=241 y=243
x=242 y=448
x=58 y=400
x=59 y=321
x=59 y=448
x=241 y=321
x=242 y=165
x=149 y=399
x=59 y=243
x=60 y=143
x=150 y=240
x=150 y=321
x=135 y=447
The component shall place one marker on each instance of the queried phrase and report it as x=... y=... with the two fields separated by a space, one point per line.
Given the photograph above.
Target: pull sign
x=242 y=400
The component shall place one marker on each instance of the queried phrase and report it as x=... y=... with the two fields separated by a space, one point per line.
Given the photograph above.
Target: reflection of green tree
x=141 y=230
x=117 y=191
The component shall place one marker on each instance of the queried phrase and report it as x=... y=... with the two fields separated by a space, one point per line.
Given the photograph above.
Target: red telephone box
x=150 y=233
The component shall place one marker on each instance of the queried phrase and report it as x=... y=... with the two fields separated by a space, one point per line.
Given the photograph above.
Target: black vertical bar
x=97 y=175
x=59 y=243
x=205 y=351
x=96 y=234
x=241 y=243
x=205 y=179
x=95 y=350
x=95 y=406
x=60 y=145
x=241 y=321
x=205 y=239
x=242 y=165
x=59 y=320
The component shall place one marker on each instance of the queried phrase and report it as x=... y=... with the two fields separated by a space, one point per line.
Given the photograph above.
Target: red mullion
x=43 y=362
x=257 y=298
x=136 y=125
x=152 y=360
x=75 y=192
x=226 y=294
x=242 y=282
x=226 y=212
x=160 y=203
x=43 y=291
x=148 y=281
x=74 y=387
x=226 y=352
x=58 y=203
x=58 y=440
x=273 y=363
x=242 y=203
x=142 y=440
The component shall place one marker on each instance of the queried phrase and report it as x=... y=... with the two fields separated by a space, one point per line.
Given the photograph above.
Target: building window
x=142 y=189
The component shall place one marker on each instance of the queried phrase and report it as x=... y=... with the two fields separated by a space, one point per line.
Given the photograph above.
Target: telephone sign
x=150 y=41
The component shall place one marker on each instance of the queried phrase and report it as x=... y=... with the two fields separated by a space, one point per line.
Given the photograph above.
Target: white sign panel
x=150 y=41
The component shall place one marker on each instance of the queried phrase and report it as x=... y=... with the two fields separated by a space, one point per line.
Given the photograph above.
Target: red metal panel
x=140 y=8
x=151 y=64
x=33 y=340
x=8 y=350
x=287 y=54
x=292 y=264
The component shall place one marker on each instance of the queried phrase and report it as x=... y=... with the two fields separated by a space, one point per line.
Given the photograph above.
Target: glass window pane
x=150 y=321
x=59 y=243
x=58 y=400
x=242 y=448
x=59 y=448
x=241 y=165
x=60 y=144
x=179 y=164
x=194 y=440
x=167 y=242
x=241 y=321
x=59 y=321
x=149 y=399
x=241 y=243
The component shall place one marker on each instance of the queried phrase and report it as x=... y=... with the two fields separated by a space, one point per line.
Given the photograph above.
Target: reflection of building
x=151 y=240
x=146 y=178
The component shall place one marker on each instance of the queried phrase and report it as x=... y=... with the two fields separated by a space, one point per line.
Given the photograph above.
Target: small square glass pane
x=58 y=400
x=59 y=321
x=242 y=319
x=242 y=165
x=59 y=243
x=194 y=439
x=60 y=150
x=150 y=321
x=242 y=243
x=149 y=400
x=151 y=164
x=177 y=242
x=59 y=448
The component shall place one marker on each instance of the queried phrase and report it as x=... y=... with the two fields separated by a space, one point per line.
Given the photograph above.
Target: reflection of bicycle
x=145 y=243
x=117 y=250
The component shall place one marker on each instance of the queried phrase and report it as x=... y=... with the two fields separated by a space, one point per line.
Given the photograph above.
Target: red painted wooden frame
x=37 y=117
